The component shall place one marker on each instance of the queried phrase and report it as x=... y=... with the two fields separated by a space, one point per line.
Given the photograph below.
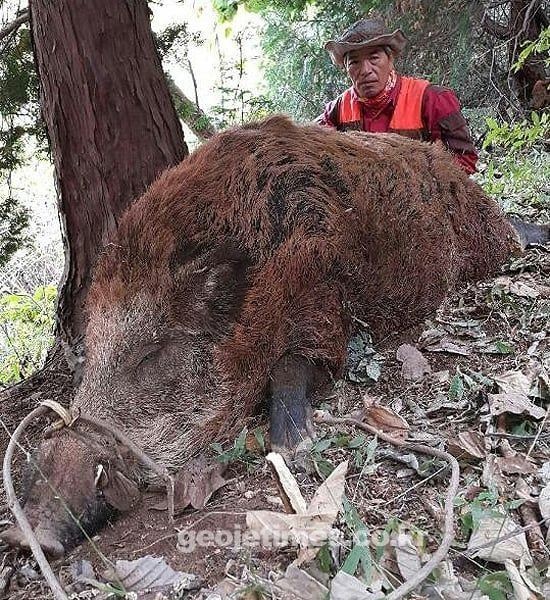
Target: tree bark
x=111 y=124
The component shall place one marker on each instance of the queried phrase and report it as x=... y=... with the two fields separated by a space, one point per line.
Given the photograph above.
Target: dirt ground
x=499 y=326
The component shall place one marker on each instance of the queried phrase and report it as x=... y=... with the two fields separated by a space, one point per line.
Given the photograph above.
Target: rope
x=60 y=411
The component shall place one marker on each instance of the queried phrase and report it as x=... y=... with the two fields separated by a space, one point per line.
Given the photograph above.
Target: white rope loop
x=63 y=413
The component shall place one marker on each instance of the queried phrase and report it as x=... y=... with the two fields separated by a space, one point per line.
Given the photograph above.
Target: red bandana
x=377 y=103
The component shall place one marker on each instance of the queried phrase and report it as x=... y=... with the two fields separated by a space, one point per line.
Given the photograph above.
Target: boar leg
x=291 y=427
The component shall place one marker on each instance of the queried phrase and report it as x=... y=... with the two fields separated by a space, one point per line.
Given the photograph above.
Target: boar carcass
x=236 y=278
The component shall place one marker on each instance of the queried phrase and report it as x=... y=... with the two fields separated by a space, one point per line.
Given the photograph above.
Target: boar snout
x=68 y=490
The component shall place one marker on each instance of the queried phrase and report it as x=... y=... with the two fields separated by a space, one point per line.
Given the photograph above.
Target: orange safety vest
x=407 y=115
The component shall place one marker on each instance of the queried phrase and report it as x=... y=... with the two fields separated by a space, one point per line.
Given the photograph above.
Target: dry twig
x=448 y=532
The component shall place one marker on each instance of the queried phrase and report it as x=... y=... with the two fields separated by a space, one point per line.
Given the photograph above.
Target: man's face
x=369 y=69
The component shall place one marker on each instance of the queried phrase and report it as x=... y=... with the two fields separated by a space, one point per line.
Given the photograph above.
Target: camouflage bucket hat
x=365 y=34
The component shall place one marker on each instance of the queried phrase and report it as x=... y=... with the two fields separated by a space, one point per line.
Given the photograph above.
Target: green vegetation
x=20 y=119
x=26 y=332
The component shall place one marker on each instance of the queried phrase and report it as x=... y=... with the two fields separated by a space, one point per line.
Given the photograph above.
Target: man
x=381 y=100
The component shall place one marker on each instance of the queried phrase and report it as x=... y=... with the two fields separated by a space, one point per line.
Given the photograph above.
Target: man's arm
x=327 y=117
x=444 y=121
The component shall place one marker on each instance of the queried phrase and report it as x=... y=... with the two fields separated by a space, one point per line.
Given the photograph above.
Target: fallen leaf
x=541 y=386
x=83 y=575
x=487 y=541
x=288 y=483
x=297 y=583
x=346 y=587
x=492 y=477
x=327 y=500
x=408 y=459
x=521 y=591
x=408 y=559
x=81 y=570
x=442 y=401
x=516 y=287
x=523 y=492
x=369 y=400
x=523 y=290
x=149 y=573
x=195 y=484
x=223 y=589
x=514 y=402
x=465 y=327
x=441 y=376
x=447 y=586
x=544 y=472
x=495 y=347
x=467 y=445
x=415 y=365
x=450 y=346
x=386 y=420
x=513 y=381
x=431 y=336
x=310 y=529
x=515 y=464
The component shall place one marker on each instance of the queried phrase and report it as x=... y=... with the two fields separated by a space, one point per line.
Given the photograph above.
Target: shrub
x=26 y=332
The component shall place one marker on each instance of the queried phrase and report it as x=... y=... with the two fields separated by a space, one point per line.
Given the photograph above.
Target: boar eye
x=148 y=355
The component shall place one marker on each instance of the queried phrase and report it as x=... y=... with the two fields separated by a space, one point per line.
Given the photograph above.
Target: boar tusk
x=70 y=418
x=99 y=472
x=159 y=469
x=15 y=507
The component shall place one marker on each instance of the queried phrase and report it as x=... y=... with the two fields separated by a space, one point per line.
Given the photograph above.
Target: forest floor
x=481 y=390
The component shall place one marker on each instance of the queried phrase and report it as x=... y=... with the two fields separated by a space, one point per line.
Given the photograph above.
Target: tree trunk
x=111 y=124
x=112 y=130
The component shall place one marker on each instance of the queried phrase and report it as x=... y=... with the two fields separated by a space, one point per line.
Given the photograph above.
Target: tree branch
x=495 y=29
x=534 y=5
x=15 y=24
x=192 y=73
x=190 y=113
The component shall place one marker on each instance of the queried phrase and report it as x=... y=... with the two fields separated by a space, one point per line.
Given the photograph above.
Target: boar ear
x=119 y=491
x=210 y=288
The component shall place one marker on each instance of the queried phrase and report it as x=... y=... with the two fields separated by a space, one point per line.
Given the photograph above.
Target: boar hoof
x=530 y=234
x=47 y=539
x=291 y=427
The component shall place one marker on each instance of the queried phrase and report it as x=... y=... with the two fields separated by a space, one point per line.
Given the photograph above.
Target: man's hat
x=365 y=34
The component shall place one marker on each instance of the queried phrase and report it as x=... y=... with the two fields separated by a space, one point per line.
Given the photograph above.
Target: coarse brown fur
x=326 y=226
x=250 y=259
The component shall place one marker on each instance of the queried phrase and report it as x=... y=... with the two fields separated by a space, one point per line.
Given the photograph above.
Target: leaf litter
x=453 y=406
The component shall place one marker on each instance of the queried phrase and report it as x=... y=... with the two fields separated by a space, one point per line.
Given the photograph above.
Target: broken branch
x=15 y=24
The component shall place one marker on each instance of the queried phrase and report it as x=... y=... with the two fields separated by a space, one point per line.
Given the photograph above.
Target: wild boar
x=235 y=278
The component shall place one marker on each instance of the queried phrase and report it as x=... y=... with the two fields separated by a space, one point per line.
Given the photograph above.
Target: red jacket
x=440 y=117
